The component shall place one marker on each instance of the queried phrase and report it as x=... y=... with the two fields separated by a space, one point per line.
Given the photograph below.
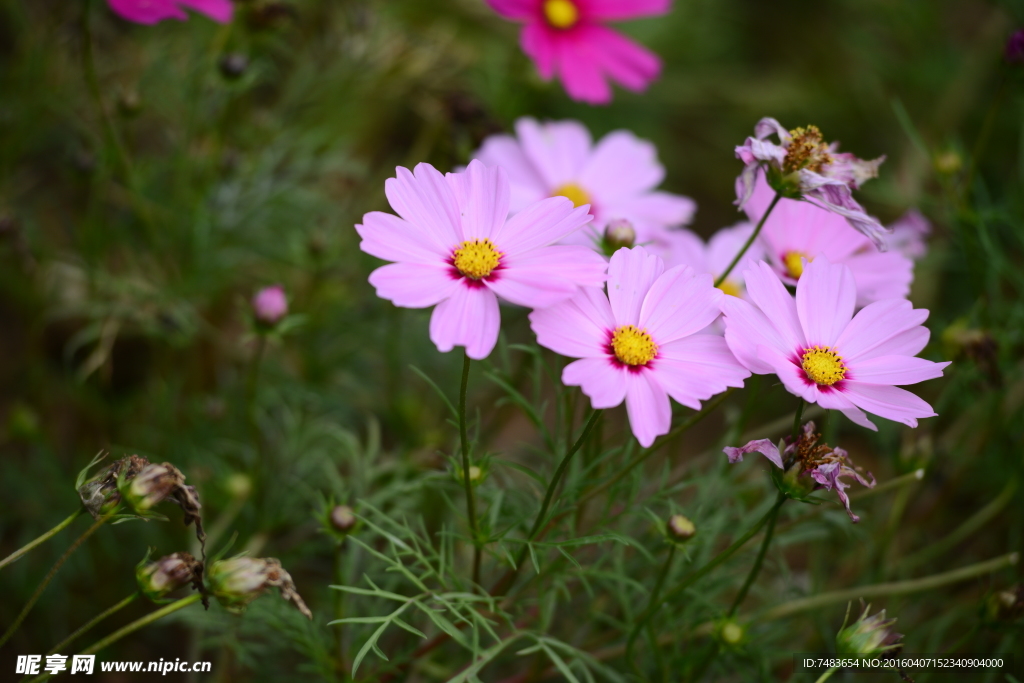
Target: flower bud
x=476 y=475
x=270 y=305
x=152 y=486
x=680 y=529
x=1007 y=605
x=233 y=65
x=343 y=519
x=868 y=636
x=239 y=485
x=948 y=163
x=157 y=579
x=619 y=234
x=238 y=581
x=730 y=633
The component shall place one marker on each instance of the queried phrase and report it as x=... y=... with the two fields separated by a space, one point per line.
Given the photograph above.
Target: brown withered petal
x=99 y=492
x=277 y=576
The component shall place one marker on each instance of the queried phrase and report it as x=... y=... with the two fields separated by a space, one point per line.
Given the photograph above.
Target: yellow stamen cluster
x=731 y=288
x=633 y=346
x=807 y=149
x=823 y=365
x=793 y=260
x=561 y=13
x=574 y=193
x=476 y=259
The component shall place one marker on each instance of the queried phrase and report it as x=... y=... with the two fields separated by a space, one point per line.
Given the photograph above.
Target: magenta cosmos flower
x=826 y=355
x=804 y=166
x=686 y=248
x=152 y=11
x=617 y=177
x=797 y=231
x=641 y=343
x=567 y=38
x=454 y=247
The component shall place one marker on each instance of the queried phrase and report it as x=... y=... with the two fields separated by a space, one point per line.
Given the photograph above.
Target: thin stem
x=141 y=622
x=48 y=535
x=750 y=241
x=796 y=419
x=470 y=500
x=92 y=622
x=756 y=569
x=549 y=495
x=651 y=602
x=827 y=675
x=49 y=577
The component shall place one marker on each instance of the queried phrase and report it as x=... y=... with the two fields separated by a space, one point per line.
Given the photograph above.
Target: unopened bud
x=129 y=104
x=157 y=579
x=868 y=636
x=680 y=529
x=619 y=234
x=731 y=633
x=343 y=519
x=270 y=305
x=239 y=485
x=233 y=65
x=948 y=163
x=1007 y=605
x=476 y=475
x=238 y=581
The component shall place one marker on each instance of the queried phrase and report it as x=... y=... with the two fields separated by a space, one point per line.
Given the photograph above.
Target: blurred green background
x=241 y=156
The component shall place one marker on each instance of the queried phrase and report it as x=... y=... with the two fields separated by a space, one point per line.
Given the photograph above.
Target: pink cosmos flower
x=567 y=38
x=641 y=343
x=909 y=234
x=686 y=248
x=826 y=355
x=803 y=166
x=617 y=177
x=270 y=305
x=153 y=11
x=454 y=247
x=798 y=231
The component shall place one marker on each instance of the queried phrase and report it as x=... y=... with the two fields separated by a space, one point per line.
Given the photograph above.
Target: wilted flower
x=804 y=166
x=826 y=355
x=455 y=247
x=807 y=460
x=686 y=248
x=153 y=11
x=155 y=483
x=680 y=529
x=238 y=581
x=641 y=342
x=568 y=39
x=868 y=636
x=617 y=177
x=157 y=579
x=797 y=231
x=269 y=305
x=100 y=495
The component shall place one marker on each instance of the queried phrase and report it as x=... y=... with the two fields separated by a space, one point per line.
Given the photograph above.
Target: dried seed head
x=238 y=581
x=157 y=579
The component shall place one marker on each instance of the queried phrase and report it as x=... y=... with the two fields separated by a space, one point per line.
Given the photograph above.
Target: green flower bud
x=619 y=234
x=730 y=633
x=680 y=529
x=868 y=636
x=238 y=581
x=157 y=579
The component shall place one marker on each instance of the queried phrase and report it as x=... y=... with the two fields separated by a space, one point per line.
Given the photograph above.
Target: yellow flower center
x=476 y=258
x=793 y=260
x=633 y=346
x=731 y=288
x=561 y=13
x=807 y=149
x=823 y=365
x=574 y=193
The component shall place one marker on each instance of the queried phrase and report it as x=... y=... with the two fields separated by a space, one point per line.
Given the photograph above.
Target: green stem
x=756 y=569
x=92 y=622
x=903 y=480
x=750 y=241
x=651 y=602
x=549 y=495
x=796 y=419
x=470 y=500
x=49 y=577
x=48 y=535
x=827 y=675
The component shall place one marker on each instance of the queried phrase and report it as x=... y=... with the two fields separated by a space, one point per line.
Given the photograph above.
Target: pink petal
x=648 y=407
x=599 y=379
x=763 y=446
x=147 y=11
x=792 y=375
x=747 y=329
x=559 y=149
x=218 y=10
x=624 y=61
x=482 y=195
x=631 y=273
x=620 y=10
x=895 y=370
x=725 y=244
x=390 y=238
x=884 y=328
x=540 y=225
x=414 y=285
x=889 y=402
x=579 y=64
x=679 y=303
x=425 y=199
x=696 y=368
x=469 y=318
x=621 y=167
x=549 y=275
x=515 y=9
x=880 y=276
x=684 y=248
x=769 y=294
x=577 y=328
x=540 y=46
x=825 y=298
x=650 y=210
x=525 y=182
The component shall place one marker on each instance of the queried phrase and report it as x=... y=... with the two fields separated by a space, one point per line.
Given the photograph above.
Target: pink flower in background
x=804 y=166
x=797 y=232
x=454 y=247
x=270 y=305
x=909 y=234
x=686 y=248
x=153 y=11
x=825 y=354
x=617 y=177
x=641 y=343
x=568 y=39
